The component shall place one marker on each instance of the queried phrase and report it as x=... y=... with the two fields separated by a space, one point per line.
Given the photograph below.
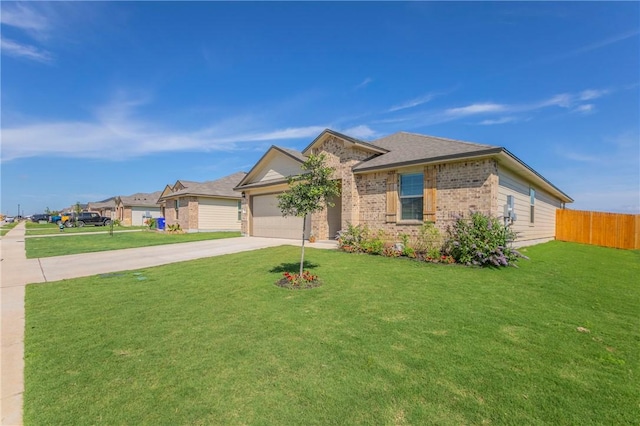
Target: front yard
x=63 y=245
x=383 y=341
x=52 y=228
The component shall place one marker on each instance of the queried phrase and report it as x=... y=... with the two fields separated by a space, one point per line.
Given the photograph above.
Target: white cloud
x=502 y=120
x=115 y=133
x=364 y=83
x=480 y=108
x=24 y=16
x=584 y=108
x=11 y=48
x=360 y=132
x=587 y=95
x=412 y=103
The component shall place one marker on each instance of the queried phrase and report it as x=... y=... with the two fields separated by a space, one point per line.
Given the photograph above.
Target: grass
x=6 y=227
x=60 y=246
x=52 y=228
x=383 y=341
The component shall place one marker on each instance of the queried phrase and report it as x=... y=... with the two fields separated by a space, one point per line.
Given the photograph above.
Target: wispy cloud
x=587 y=95
x=584 y=109
x=116 y=133
x=605 y=42
x=25 y=17
x=473 y=109
x=364 y=83
x=501 y=113
x=412 y=103
x=360 y=132
x=501 y=120
x=12 y=48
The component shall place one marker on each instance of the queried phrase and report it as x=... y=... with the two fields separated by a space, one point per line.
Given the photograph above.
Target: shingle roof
x=222 y=187
x=407 y=148
x=141 y=199
x=110 y=202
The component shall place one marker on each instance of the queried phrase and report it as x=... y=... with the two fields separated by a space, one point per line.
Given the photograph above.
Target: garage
x=218 y=214
x=138 y=214
x=269 y=222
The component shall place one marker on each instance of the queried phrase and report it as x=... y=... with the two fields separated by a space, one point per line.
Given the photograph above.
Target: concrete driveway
x=17 y=271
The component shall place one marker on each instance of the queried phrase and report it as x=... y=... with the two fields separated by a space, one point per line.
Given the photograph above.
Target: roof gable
x=222 y=188
x=274 y=166
x=327 y=133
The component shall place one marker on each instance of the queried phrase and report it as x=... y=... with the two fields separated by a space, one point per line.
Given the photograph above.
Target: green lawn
x=59 y=246
x=383 y=341
x=6 y=228
x=52 y=228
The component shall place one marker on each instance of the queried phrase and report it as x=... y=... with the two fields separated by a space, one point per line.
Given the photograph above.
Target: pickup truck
x=89 y=218
x=80 y=220
x=62 y=218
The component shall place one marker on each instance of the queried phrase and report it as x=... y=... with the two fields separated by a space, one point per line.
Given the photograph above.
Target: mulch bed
x=285 y=283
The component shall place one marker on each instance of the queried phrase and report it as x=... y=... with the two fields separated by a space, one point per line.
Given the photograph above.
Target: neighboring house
x=401 y=181
x=133 y=210
x=104 y=208
x=203 y=206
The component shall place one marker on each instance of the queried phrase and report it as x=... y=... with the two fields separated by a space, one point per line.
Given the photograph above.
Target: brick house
x=400 y=181
x=132 y=210
x=203 y=206
x=104 y=208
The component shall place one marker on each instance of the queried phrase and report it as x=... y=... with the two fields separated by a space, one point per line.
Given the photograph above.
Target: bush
x=481 y=240
x=429 y=241
x=360 y=239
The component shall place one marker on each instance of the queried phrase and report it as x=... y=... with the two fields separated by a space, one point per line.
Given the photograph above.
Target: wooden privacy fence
x=601 y=229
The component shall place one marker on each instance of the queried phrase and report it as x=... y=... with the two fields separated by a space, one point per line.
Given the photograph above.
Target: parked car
x=62 y=218
x=9 y=219
x=38 y=217
x=90 y=218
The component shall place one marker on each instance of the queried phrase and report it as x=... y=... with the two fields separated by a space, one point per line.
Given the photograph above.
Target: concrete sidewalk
x=17 y=271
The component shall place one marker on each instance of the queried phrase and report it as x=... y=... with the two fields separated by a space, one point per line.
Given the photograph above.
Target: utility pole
x=18 y=209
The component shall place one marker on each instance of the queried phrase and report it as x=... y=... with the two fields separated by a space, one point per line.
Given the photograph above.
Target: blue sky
x=113 y=98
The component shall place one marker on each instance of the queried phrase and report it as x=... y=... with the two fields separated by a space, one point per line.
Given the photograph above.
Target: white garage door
x=269 y=222
x=216 y=214
x=138 y=213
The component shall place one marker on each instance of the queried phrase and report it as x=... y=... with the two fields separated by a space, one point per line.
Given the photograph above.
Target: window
x=177 y=208
x=239 y=210
x=411 y=196
x=532 y=196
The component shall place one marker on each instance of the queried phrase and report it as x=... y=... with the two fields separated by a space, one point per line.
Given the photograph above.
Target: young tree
x=309 y=192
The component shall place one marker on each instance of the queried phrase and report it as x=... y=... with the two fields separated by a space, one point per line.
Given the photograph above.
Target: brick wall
x=342 y=157
x=192 y=215
x=460 y=187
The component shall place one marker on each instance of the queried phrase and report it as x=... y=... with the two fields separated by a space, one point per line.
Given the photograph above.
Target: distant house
x=203 y=206
x=133 y=210
x=401 y=181
x=104 y=208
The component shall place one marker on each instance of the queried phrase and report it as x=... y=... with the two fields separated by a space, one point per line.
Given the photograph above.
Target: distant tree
x=309 y=192
x=47 y=210
x=77 y=208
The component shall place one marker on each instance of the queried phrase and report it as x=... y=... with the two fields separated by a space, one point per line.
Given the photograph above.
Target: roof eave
x=521 y=166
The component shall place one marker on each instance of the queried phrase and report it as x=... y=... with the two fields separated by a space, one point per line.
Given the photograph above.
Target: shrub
x=481 y=240
x=360 y=239
x=150 y=222
x=429 y=240
x=174 y=229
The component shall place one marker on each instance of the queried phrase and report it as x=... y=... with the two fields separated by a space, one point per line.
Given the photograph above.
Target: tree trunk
x=304 y=225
